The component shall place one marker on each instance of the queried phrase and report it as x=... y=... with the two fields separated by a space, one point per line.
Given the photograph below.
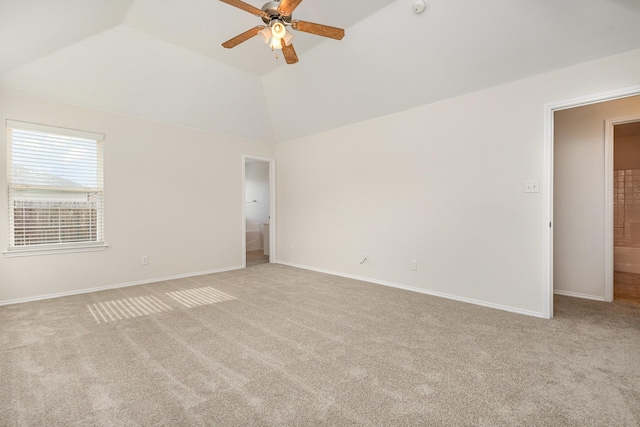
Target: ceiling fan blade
x=318 y=29
x=242 y=37
x=288 y=6
x=289 y=53
x=244 y=6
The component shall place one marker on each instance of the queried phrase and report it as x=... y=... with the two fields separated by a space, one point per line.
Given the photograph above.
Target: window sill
x=53 y=251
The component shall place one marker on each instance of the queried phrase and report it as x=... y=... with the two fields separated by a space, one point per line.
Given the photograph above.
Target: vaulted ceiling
x=163 y=59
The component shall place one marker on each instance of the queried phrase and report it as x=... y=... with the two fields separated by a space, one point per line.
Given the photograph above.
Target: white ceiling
x=163 y=59
x=30 y=29
x=203 y=25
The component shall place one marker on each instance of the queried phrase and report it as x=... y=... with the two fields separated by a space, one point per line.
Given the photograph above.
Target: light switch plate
x=532 y=186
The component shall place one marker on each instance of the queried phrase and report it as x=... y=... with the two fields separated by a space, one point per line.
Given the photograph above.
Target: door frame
x=272 y=207
x=548 y=164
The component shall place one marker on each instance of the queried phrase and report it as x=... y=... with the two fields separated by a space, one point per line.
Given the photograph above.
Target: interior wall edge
x=51 y=99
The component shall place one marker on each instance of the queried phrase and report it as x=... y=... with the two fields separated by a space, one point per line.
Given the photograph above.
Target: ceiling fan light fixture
x=276 y=17
x=278 y=29
x=265 y=33
x=276 y=43
x=288 y=37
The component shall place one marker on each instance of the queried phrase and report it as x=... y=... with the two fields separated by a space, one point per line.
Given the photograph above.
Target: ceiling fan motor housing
x=271 y=9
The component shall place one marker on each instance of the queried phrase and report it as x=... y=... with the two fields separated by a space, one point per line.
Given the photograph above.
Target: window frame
x=13 y=186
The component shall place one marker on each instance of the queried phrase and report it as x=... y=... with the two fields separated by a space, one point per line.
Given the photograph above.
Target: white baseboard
x=121 y=285
x=418 y=290
x=578 y=295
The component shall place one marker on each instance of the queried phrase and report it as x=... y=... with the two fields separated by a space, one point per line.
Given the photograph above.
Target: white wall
x=442 y=184
x=171 y=193
x=257 y=188
x=579 y=201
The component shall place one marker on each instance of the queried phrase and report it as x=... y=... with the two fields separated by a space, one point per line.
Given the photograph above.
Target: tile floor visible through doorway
x=256 y=258
x=626 y=287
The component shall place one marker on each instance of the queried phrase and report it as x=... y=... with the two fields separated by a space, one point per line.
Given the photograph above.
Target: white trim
x=608 y=211
x=547 y=216
x=243 y=216
x=579 y=295
x=272 y=207
x=418 y=290
x=608 y=201
x=549 y=110
x=595 y=98
x=122 y=285
x=272 y=212
x=53 y=251
x=16 y=124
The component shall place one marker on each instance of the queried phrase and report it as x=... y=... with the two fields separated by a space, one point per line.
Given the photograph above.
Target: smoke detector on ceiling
x=419 y=6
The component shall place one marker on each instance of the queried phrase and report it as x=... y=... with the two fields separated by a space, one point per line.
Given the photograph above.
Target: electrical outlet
x=145 y=260
x=414 y=265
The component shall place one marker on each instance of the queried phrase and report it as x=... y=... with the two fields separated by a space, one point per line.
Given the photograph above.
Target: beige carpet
x=280 y=346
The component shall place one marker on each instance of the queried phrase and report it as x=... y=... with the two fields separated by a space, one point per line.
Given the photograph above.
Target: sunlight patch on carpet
x=110 y=311
x=199 y=296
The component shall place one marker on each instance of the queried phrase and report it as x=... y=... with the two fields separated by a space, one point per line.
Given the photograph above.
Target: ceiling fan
x=277 y=17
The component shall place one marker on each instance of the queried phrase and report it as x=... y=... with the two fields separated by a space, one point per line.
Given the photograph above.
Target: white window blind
x=55 y=186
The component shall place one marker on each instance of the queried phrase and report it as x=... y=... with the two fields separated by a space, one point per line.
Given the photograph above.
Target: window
x=55 y=180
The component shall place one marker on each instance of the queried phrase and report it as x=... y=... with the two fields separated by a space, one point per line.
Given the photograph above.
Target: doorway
x=258 y=211
x=578 y=237
x=623 y=137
